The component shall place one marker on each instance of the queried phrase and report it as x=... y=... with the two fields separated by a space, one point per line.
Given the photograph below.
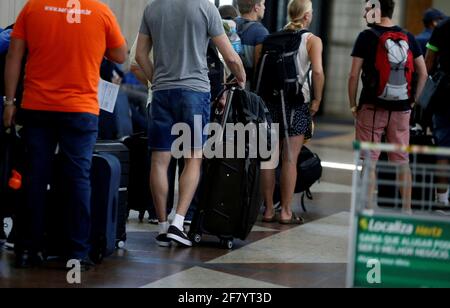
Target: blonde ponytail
x=297 y=10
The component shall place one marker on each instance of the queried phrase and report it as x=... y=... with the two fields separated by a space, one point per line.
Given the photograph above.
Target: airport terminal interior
x=312 y=255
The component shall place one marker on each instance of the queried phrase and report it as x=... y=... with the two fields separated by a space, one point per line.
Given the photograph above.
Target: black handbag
x=431 y=88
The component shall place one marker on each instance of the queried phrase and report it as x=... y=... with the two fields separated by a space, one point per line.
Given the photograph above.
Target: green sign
x=398 y=252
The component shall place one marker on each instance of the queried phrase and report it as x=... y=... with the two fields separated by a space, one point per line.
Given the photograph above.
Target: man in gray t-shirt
x=178 y=31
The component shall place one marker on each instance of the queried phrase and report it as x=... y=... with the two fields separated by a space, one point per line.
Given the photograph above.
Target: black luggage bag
x=230 y=190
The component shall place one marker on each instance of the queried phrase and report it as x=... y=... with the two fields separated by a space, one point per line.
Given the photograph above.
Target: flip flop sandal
x=295 y=220
x=270 y=220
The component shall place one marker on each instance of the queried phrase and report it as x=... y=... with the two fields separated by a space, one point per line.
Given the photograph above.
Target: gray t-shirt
x=180 y=31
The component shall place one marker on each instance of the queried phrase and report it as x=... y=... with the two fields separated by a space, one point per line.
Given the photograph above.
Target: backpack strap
x=242 y=28
x=376 y=32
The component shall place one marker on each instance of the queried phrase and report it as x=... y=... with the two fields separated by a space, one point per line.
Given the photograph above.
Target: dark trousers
x=75 y=135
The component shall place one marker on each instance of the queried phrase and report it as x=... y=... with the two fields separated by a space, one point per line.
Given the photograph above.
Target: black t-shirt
x=440 y=43
x=366 y=48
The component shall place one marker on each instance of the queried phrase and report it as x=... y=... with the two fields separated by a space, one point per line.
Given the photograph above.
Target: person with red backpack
x=388 y=56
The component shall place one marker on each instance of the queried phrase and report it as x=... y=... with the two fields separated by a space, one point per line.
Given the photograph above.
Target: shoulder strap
x=245 y=26
x=376 y=32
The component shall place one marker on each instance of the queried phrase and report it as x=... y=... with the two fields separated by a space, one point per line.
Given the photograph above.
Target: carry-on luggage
x=231 y=200
x=105 y=183
x=119 y=150
x=139 y=194
x=309 y=167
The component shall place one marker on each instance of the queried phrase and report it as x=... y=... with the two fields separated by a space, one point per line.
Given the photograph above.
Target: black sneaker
x=163 y=241
x=179 y=236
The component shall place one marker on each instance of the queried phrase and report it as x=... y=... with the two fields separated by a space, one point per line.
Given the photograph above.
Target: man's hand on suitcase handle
x=233 y=81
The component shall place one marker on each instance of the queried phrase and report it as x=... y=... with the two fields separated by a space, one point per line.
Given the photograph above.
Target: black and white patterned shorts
x=298 y=118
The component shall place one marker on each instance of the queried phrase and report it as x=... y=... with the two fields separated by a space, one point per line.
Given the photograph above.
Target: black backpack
x=278 y=74
x=309 y=168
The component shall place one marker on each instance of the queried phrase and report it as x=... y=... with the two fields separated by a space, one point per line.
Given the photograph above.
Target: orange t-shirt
x=66 y=42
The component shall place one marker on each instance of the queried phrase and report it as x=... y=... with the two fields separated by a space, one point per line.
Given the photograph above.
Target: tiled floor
x=274 y=256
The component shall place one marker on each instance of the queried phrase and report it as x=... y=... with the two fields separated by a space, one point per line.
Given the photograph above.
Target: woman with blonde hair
x=300 y=14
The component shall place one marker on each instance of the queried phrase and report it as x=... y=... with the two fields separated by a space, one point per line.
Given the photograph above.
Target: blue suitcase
x=105 y=183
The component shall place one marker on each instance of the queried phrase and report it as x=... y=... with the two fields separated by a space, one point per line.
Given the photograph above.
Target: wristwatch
x=8 y=101
x=354 y=109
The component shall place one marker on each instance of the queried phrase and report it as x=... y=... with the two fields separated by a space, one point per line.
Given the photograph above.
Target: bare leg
x=289 y=175
x=372 y=185
x=159 y=182
x=268 y=182
x=189 y=181
x=405 y=180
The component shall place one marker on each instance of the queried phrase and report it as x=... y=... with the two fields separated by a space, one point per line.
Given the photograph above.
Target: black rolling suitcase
x=119 y=150
x=139 y=194
x=231 y=200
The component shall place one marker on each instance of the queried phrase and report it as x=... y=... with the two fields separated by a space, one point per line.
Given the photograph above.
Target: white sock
x=443 y=198
x=178 y=222
x=163 y=227
x=171 y=215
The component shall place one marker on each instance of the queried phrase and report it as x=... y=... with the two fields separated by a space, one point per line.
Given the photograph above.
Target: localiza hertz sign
x=410 y=252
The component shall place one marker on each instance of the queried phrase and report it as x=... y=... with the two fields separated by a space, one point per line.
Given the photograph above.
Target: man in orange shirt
x=66 y=42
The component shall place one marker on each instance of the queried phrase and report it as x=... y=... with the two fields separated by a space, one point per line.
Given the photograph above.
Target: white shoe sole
x=164 y=244
x=180 y=240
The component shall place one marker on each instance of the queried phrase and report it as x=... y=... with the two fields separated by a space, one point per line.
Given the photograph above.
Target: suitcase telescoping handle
x=226 y=112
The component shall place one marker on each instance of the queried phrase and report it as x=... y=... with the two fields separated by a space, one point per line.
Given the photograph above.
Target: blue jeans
x=75 y=134
x=170 y=107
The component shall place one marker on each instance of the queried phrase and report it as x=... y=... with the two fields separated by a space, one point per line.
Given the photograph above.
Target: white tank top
x=304 y=63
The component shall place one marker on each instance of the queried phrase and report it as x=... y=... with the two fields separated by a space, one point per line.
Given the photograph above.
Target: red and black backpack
x=391 y=83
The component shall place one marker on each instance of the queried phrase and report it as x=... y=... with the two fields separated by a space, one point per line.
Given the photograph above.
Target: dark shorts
x=298 y=118
x=178 y=108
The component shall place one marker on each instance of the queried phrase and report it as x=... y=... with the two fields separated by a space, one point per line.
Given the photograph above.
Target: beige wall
x=443 y=5
x=128 y=12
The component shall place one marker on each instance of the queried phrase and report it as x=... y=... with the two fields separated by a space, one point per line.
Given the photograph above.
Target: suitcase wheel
x=197 y=238
x=227 y=244
x=120 y=244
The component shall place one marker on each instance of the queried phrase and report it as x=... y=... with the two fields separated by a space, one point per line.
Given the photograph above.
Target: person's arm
x=353 y=83
x=143 y=49
x=422 y=75
x=139 y=74
x=430 y=60
x=13 y=68
x=315 y=51
x=231 y=58
x=117 y=55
